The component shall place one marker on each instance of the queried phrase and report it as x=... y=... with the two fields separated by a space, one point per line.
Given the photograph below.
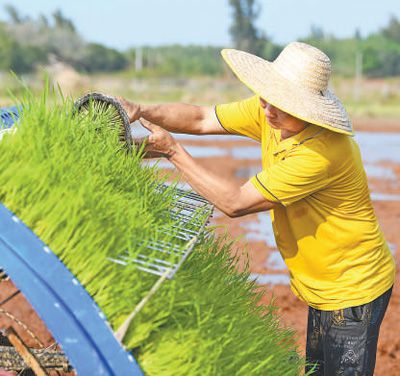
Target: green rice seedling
x=221 y=327
x=90 y=200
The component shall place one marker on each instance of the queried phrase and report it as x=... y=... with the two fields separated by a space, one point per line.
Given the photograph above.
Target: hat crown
x=304 y=65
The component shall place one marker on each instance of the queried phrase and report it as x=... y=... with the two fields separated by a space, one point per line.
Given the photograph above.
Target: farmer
x=314 y=184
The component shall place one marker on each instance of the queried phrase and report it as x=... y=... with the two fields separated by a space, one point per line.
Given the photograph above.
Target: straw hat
x=295 y=82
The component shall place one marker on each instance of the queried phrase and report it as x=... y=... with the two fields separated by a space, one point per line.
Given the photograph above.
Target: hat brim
x=260 y=76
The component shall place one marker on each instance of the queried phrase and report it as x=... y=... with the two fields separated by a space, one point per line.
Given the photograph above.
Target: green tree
x=62 y=22
x=13 y=13
x=24 y=59
x=381 y=51
x=317 y=33
x=243 y=30
x=381 y=56
x=179 y=61
x=6 y=44
x=100 y=58
x=392 y=30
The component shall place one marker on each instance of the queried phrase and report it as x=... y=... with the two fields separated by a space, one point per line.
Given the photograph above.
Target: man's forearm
x=222 y=193
x=175 y=117
x=228 y=196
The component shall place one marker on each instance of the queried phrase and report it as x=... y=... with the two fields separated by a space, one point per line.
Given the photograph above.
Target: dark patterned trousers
x=344 y=342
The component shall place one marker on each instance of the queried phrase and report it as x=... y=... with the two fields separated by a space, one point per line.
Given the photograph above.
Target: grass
x=71 y=182
x=369 y=98
x=374 y=109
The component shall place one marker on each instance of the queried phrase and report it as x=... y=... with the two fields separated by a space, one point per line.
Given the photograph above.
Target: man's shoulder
x=241 y=117
x=340 y=151
x=329 y=150
x=333 y=144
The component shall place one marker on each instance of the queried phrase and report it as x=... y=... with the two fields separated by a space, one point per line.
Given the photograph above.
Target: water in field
x=270 y=279
x=375 y=146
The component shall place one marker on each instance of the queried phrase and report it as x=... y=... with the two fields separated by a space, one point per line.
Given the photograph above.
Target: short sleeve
x=242 y=117
x=293 y=178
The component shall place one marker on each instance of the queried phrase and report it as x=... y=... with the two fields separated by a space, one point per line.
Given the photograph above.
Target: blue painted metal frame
x=8 y=116
x=69 y=312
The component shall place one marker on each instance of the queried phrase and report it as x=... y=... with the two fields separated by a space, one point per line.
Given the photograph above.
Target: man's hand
x=132 y=109
x=159 y=143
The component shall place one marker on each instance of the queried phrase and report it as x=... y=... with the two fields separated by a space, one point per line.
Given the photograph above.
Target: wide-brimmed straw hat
x=295 y=82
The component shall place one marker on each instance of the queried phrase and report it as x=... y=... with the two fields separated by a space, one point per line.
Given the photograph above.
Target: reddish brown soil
x=377 y=125
x=292 y=311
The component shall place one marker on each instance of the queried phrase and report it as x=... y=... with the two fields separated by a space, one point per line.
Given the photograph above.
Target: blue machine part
x=71 y=315
x=8 y=116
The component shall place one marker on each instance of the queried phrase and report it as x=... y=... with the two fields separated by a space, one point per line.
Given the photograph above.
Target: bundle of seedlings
x=89 y=199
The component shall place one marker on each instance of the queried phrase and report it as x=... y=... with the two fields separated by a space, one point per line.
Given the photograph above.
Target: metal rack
x=191 y=213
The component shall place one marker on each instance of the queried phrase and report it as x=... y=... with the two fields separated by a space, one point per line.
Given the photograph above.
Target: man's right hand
x=132 y=109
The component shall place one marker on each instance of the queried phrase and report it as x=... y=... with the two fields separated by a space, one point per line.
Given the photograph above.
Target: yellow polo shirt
x=325 y=228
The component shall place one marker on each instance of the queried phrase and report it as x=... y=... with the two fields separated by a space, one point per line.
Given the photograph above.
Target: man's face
x=279 y=119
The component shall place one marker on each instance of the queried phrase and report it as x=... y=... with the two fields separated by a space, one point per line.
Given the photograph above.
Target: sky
x=128 y=23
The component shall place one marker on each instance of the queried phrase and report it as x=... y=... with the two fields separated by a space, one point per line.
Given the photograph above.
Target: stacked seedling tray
x=89 y=345
x=106 y=246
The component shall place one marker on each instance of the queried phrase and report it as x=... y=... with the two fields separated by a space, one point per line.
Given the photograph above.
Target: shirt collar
x=307 y=133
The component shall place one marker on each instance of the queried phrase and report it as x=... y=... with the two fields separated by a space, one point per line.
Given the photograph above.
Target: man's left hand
x=160 y=143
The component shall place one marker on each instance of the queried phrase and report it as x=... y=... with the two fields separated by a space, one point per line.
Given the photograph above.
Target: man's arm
x=232 y=199
x=176 y=117
x=229 y=197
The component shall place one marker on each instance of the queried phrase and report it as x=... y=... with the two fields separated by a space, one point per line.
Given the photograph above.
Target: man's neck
x=285 y=133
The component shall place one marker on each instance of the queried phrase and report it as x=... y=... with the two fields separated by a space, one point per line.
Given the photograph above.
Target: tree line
x=26 y=43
